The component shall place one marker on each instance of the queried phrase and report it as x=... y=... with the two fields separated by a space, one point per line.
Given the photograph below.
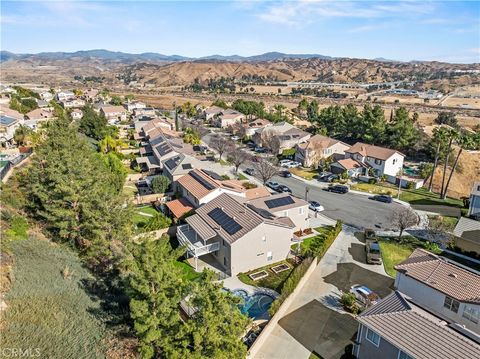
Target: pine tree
x=401 y=132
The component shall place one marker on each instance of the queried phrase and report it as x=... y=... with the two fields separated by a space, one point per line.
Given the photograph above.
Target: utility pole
x=307 y=189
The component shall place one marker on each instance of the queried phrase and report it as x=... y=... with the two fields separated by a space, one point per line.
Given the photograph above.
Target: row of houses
x=434 y=312
x=239 y=226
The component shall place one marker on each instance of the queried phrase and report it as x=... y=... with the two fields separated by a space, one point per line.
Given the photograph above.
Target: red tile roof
x=179 y=207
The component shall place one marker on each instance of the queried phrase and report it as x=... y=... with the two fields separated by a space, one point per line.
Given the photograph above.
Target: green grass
x=141 y=220
x=189 y=273
x=242 y=177
x=305 y=173
x=305 y=244
x=445 y=222
x=273 y=281
x=49 y=309
x=394 y=253
x=314 y=355
x=421 y=196
x=374 y=189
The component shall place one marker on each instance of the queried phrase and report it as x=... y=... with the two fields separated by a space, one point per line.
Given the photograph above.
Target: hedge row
x=297 y=274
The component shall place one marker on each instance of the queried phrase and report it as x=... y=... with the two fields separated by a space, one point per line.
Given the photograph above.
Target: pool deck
x=235 y=283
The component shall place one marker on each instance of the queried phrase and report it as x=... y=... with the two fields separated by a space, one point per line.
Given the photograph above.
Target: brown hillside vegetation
x=468 y=171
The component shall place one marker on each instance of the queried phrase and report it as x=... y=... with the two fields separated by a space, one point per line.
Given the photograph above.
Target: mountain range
x=152 y=56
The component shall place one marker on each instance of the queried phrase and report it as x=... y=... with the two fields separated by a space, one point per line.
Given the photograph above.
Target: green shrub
x=18 y=228
x=372 y=181
x=158 y=221
x=347 y=299
x=410 y=185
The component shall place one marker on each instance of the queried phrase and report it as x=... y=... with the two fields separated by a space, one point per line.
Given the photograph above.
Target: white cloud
x=306 y=11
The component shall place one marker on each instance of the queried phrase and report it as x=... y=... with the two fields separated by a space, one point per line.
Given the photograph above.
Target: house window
x=472 y=314
x=377 y=161
x=451 y=304
x=394 y=160
x=225 y=262
x=403 y=355
x=269 y=256
x=373 y=337
x=223 y=243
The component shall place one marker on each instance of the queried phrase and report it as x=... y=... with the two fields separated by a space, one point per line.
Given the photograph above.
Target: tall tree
x=72 y=190
x=372 y=124
x=401 y=131
x=156 y=288
x=237 y=157
x=451 y=135
x=437 y=142
x=403 y=218
x=265 y=169
x=463 y=142
x=221 y=145
x=92 y=124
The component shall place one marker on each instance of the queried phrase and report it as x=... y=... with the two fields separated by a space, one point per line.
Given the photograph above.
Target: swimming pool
x=255 y=305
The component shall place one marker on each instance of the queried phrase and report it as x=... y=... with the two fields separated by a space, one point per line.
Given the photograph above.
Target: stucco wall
x=433 y=300
x=251 y=251
x=368 y=350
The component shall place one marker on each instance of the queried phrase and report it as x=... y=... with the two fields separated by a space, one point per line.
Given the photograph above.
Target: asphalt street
x=353 y=209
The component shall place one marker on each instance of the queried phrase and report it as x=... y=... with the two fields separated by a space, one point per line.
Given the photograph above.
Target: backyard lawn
x=273 y=281
x=305 y=173
x=140 y=219
x=189 y=273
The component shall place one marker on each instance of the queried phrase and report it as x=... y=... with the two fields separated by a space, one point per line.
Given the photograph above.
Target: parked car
x=260 y=150
x=382 y=198
x=272 y=185
x=235 y=138
x=285 y=174
x=315 y=206
x=330 y=178
x=374 y=255
x=250 y=171
x=337 y=189
x=294 y=164
x=283 y=188
x=285 y=163
x=364 y=295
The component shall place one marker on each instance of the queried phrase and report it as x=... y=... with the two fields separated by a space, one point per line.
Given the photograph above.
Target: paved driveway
x=314 y=321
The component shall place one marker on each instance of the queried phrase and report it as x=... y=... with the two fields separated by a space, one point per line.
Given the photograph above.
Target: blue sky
x=400 y=30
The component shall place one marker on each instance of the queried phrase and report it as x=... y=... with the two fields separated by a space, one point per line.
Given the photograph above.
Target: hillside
x=119 y=71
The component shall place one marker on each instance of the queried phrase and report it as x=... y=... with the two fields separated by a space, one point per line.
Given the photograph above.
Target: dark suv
x=338 y=189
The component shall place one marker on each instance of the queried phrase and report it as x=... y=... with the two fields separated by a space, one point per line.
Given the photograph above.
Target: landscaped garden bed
x=258 y=275
x=280 y=268
x=273 y=280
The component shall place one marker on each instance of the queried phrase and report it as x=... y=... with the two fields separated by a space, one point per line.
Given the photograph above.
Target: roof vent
x=453 y=275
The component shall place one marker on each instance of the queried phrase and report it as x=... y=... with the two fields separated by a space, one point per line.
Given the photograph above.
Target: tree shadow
x=360 y=236
x=357 y=251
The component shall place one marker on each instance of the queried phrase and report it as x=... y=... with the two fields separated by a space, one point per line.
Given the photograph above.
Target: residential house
x=447 y=289
x=317 y=148
x=134 y=105
x=144 y=111
x=46 y=96
x=33 y=117
x=380 y=160
x=284 y=205
x=254 y=125
x=42 y=103
x=113 y=113
x=287 y=134
x=227 y=118
x=62 y=96
x=201 y=186
x=352 y=167
x=398 y=327
x=237 y=237
x=8 y=126
x=76 y=114
x=179 y=166
x=467 y=233
x=90 y=95
x=474 y=207
x=211 y=112
x=144 y=125
x=72 y=103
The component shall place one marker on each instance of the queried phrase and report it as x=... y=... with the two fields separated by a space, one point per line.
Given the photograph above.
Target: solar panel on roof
x=202 y=180
x=279 y=202
x=212 y=174
x=228 y=224
x=187 y=166
x=163 y=149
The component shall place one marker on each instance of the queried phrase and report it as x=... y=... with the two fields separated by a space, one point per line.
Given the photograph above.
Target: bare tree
x=404 y=218
x=265 y=168
x=221 y=145
x=271 y=142
x=238 y=130
x=237 y=157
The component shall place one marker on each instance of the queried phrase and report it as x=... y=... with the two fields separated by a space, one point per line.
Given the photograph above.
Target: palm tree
x=464 y=142
x=439 y=136
x=451 y=134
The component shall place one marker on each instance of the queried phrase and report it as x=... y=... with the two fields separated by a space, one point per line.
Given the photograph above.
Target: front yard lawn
x=374 y=189
x=274 y=280
x=305 y=173
x=394 y=253
x=421 y=196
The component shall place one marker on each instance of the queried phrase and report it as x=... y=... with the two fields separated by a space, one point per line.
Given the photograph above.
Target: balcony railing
x=196 y=247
